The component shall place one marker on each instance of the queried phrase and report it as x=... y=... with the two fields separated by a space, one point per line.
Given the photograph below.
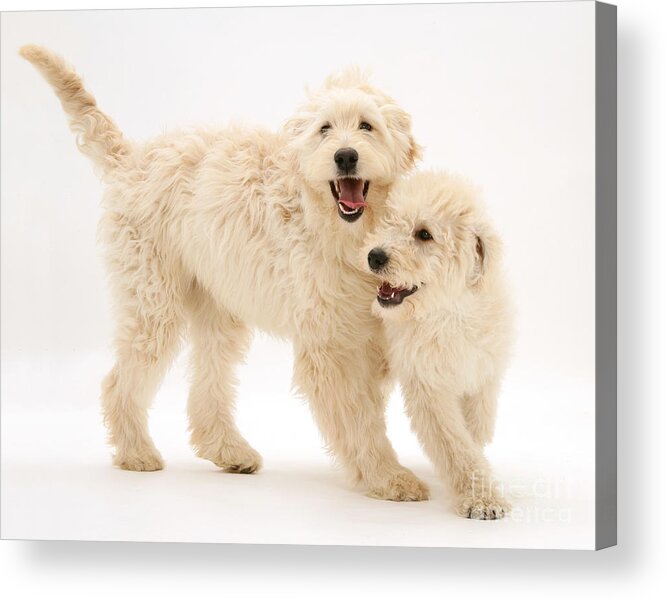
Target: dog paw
x=487 y=507
x=401 y=487
x=243 y=460
x=149 y=460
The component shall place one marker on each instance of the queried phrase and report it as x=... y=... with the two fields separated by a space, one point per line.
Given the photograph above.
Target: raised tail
x=97 y=136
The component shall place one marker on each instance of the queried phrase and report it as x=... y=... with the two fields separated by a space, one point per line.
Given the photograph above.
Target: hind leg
x=147 y=292
x=146 y=343
x=219 y=342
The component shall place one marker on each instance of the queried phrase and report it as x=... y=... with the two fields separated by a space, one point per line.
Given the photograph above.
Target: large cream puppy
x=215 y=232
x=442 y=297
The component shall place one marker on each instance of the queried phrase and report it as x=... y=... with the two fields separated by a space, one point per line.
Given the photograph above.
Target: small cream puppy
x=442 y=298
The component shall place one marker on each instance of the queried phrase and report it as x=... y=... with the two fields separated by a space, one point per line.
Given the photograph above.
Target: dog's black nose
x=346 y=159
x=377 y=258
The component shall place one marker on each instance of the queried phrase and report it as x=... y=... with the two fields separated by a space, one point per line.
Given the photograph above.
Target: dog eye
x=324 y=128
x=423 y=235
x=365 y=126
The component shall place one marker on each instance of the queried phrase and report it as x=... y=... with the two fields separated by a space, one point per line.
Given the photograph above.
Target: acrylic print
x=259 y=286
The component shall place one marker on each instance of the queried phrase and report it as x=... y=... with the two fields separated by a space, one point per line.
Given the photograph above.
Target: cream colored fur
x=217 y=232
x=449 y=341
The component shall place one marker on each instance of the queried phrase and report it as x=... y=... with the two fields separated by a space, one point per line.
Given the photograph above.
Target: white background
x=494 y=94
x=402 y=571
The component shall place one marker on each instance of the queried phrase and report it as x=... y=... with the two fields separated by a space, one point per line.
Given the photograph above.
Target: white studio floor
x=58 y=482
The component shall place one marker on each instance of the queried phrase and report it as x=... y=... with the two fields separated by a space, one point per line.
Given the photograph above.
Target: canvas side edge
x=606 y=275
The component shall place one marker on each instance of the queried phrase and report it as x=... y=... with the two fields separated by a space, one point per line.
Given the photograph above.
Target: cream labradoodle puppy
x=448 y=321
x=217 y=232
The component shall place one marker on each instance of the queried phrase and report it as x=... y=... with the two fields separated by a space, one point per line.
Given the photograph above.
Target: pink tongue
x=351 y=193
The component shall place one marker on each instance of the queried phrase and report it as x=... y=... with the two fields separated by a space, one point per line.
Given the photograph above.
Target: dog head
x=351 y=142
x=433 y=248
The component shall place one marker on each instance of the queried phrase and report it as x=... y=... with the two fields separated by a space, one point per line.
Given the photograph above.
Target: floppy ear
x=487 y=249
x=297 y=124
x=399 y=124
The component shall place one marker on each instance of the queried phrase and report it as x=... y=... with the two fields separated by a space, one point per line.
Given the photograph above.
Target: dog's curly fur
x=449 y=339
x=222 y=231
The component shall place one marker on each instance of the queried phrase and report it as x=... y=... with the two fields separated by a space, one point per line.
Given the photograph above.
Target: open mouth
x=387 y=295
x=350 y=194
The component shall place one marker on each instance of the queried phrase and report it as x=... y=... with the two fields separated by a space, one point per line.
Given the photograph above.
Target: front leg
x=480 y=410
x=346 y=399
x=440 y=425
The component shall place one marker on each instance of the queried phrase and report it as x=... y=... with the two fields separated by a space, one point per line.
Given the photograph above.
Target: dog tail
x=97 y=136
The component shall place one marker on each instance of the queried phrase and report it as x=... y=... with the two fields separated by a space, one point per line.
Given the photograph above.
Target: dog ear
x=487 y=248
x=399 y=124
x=297 y=124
